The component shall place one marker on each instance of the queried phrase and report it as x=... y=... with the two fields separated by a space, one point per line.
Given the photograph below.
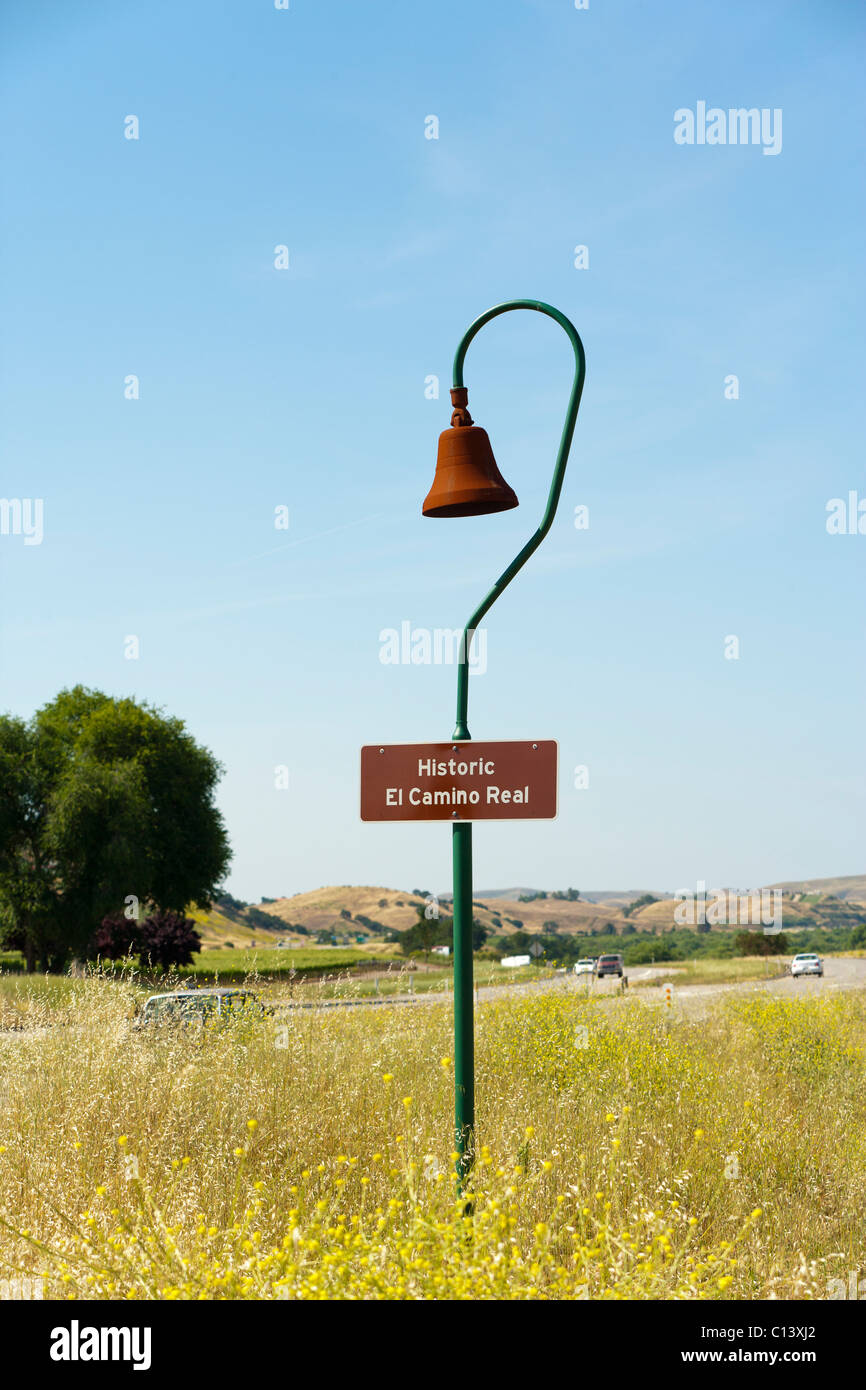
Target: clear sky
x=304 y=387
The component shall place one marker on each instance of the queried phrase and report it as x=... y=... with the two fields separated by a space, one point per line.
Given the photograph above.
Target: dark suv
x=609 y=965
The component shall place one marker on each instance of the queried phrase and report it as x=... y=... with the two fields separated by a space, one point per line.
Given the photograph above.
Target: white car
x=585 y=967
x=807 y=963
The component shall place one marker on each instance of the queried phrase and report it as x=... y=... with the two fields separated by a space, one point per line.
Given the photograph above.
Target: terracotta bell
x=467 y=481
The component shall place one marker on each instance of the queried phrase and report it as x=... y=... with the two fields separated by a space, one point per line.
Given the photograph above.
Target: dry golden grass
x=626 y=1153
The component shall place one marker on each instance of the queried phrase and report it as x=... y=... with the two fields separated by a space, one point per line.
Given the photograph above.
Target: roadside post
x=492 y=781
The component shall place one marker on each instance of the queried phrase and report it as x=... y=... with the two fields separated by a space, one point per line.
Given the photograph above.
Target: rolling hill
x=375 y=912
x=349 y=909
x=851 y=889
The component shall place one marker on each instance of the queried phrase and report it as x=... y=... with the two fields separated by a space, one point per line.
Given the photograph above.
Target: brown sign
x=515 y=780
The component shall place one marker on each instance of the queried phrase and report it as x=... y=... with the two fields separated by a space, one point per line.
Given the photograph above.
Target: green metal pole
x=464 y=1020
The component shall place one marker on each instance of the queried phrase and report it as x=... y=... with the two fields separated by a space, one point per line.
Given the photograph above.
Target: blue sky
x=305 y=387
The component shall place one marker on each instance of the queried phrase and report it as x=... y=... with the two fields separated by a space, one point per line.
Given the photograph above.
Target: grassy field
x=332 y=971
x=394 y=978
x=231 y=966
x=712 y=972
x=309 y=1156
x=228 y=967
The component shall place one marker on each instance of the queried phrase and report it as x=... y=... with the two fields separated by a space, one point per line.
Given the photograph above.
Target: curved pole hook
x=461 y=730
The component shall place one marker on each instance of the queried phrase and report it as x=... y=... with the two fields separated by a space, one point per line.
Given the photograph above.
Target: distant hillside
x=231 y=920
x=511 y=893
x=605 y=895
x=852 y=888
x=797 y=911
x=622 y=897
x=350 y=910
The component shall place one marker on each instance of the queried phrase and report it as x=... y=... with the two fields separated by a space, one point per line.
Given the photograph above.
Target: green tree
x=101 y=799
x=647 y=951
x=756 y=943
x=426 y=933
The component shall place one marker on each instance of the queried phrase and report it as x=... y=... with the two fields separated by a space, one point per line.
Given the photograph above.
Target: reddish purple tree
x=168 y=938
x=116 y=937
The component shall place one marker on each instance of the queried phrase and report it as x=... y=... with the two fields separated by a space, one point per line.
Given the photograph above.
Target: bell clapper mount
x=460 y=401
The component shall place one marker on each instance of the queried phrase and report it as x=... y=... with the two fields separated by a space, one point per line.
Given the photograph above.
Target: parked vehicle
x=807 y=963
x=585 y=967
x=609 y=965
x=201 y=1006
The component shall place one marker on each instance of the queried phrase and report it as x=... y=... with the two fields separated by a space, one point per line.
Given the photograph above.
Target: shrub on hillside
x=264 y=921
x=369 y=922
x=643 y=901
